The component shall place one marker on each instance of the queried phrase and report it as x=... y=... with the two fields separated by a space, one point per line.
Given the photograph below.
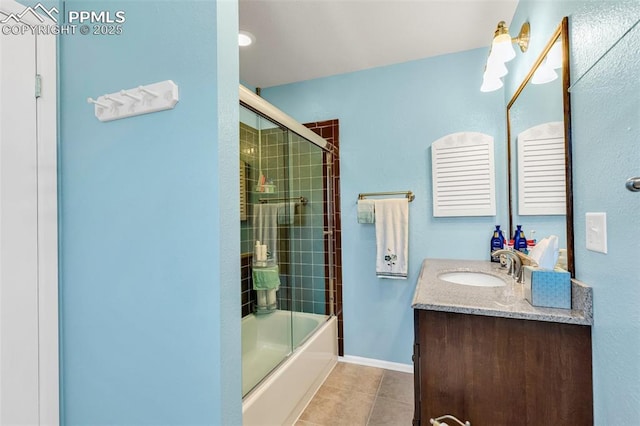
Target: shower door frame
x=330 y=201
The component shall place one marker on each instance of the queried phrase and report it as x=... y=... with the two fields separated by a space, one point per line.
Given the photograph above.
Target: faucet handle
x=504 y=261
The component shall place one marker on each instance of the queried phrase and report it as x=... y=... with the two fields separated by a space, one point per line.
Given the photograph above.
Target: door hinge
x=38 y=86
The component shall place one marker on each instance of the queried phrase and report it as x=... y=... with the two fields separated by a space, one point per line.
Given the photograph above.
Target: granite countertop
x=435 y=294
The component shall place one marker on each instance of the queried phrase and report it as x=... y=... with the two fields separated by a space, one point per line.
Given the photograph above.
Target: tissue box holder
x=551 y=289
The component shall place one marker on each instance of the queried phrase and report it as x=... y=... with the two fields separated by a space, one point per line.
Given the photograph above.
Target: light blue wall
x=389 y=117
x=605 y=115
x=149 y=221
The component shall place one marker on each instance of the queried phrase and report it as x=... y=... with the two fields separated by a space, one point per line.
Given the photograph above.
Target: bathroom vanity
x=496 y=361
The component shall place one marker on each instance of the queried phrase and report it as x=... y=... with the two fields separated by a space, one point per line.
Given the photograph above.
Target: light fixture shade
x=490 y=84
x=502 y=49
x=544 y=74
x=554 y=57
x=495 y=68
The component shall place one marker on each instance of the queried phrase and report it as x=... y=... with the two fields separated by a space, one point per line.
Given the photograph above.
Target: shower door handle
x=327 y=232
x=633 y=184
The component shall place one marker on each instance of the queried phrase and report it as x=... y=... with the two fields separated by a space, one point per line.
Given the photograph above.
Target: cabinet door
x=502 y=371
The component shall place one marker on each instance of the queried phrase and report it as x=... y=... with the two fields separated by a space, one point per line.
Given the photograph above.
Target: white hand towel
x=265 y=226
x=286 y=213
x=392 y=238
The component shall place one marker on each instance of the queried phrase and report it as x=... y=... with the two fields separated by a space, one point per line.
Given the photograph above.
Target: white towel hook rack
x=130 y=96
x=97 y=104
x=114 y=100
x=147 y=91
x=139 y=100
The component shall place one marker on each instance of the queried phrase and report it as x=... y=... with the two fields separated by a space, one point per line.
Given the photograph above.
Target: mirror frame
x=562 y=34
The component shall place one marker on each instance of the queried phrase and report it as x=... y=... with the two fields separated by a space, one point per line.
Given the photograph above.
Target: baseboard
x=388 y=365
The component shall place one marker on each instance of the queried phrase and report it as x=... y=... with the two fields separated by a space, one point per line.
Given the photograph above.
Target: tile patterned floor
x=356 y=395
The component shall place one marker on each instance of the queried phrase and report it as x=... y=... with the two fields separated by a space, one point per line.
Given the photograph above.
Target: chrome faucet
x=515 y=264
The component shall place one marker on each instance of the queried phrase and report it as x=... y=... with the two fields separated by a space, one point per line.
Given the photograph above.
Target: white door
x=28 y=228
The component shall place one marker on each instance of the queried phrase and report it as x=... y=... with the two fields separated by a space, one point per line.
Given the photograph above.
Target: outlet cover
x=597 y=232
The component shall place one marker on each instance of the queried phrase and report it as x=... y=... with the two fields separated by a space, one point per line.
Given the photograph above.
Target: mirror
x=539 y=148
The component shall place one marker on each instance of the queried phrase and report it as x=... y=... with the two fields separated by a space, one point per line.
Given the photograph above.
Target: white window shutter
x=541 y=170
x=463 y=175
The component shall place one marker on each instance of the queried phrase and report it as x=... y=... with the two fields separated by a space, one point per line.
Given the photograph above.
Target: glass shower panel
x=266 y=331
x=309 y=279
x=287 y=288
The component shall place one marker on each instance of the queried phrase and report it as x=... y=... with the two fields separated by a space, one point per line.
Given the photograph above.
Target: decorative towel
x=366 y=211
x=265 y=227
x=286 y=213
x=266 y=278
x=392 y=238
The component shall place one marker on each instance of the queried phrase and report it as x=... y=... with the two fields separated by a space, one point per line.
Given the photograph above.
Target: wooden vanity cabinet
x=501 y=371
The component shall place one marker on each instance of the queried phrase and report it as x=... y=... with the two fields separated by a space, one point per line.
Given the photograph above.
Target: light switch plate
x=597 y=232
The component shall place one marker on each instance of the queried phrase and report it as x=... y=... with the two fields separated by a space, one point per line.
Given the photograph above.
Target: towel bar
x=300 y=200
x=408 y=194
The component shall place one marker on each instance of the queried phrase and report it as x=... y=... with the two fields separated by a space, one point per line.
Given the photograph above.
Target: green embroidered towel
x=366 y=211
x=266 y=278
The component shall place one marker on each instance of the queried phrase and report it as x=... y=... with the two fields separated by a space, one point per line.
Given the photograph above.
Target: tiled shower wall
x=298 y=169
x=305 y=291
x=249 y=156
x=271 y=159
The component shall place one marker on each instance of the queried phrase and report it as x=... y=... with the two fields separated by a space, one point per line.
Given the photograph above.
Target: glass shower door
x=287 y=286
x=310 y=238
x=266 y=328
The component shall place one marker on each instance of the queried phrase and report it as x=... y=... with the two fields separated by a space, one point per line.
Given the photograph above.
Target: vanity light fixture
x=245 y=38
x=495 y=68
x=489 y=83
x=502 y=41
x=501 y=52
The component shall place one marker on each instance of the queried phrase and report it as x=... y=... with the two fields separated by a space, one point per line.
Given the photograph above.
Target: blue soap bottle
x=519 y=240
x=497 y=242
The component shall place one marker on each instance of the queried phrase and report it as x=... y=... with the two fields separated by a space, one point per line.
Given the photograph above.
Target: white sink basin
x=474 y=278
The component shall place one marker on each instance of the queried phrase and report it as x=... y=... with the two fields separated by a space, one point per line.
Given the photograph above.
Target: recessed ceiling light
x=245 y=38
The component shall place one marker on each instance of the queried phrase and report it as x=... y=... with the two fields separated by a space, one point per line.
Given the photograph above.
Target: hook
x=633 y=184
x=100 y=104
x=148 y=92
x=114 y=100
x=130 y=96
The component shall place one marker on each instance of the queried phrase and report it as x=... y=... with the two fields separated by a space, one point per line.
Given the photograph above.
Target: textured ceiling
x=299 y=40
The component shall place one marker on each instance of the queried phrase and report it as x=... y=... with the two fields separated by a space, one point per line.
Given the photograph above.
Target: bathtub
x=281 y=397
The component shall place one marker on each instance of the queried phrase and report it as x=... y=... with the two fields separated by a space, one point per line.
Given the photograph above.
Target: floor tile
x=334 y=406
x=389 y=412
x=397 y=385
x=358 y=395
x=303 y=423
x=355 y=377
